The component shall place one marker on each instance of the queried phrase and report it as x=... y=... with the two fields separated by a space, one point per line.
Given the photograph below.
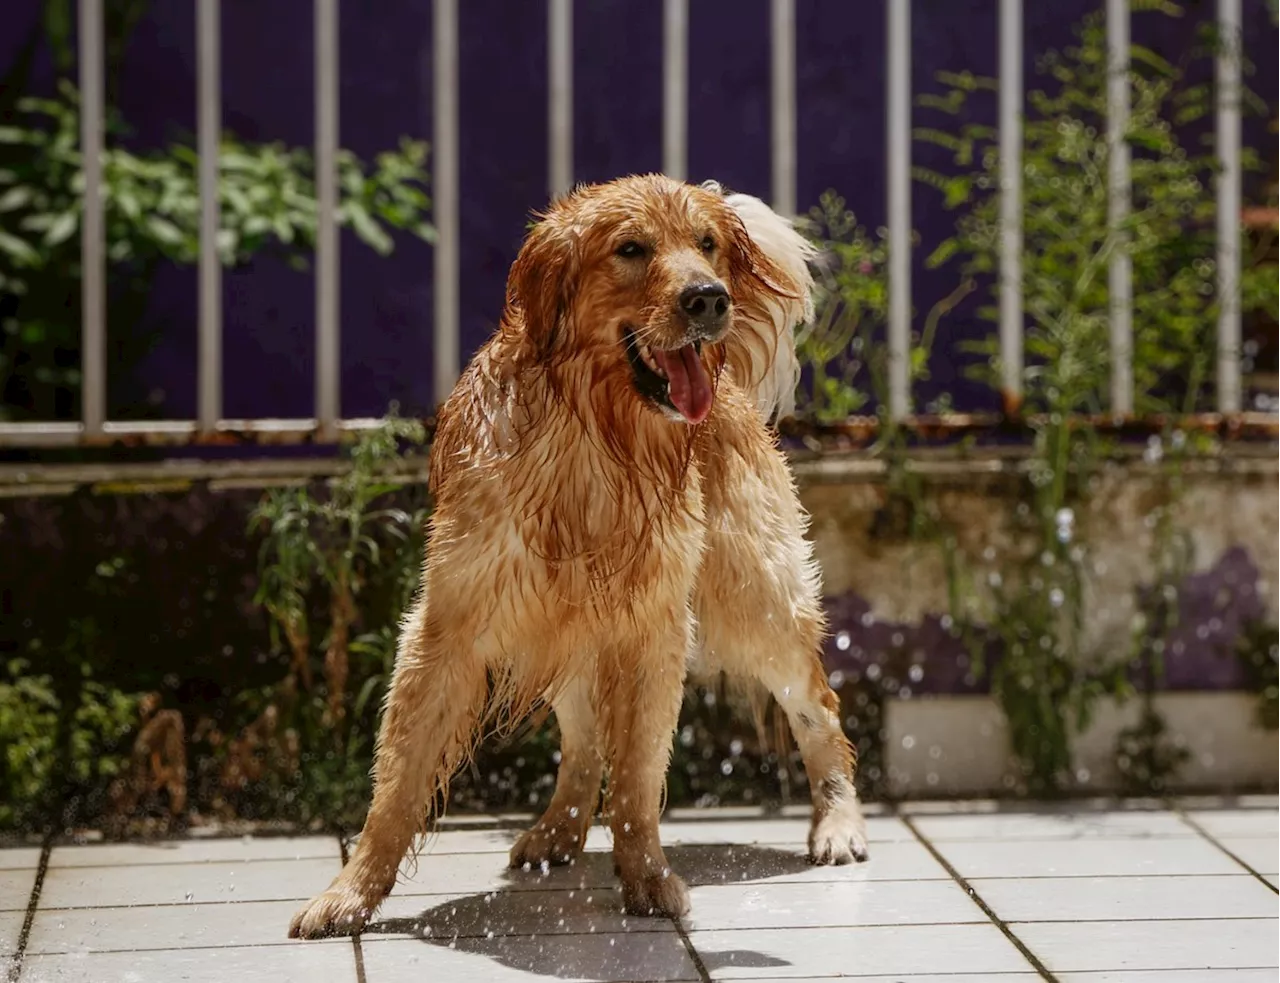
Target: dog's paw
x=661 y=895
x=548 y=845
x=338 y=911
x=839 y=837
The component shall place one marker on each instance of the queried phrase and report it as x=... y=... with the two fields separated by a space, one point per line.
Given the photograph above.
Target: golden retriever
x=611 y=512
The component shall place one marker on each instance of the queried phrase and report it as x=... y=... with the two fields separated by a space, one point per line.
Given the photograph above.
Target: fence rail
x=327 y=425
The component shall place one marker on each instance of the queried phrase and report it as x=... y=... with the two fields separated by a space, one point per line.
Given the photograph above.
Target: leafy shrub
x=152 y=215
x=54 y=748
x=1068 y=241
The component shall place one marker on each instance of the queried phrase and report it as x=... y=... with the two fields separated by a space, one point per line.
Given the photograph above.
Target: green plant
x=337 y=540
x=54 y=747
x=1047 y=685
x=28 y=734
x=1068 y=240
x=1146 y=757
x=1040 y=677
x=846 y=364
x=1259 y=653
x=152 y=215
x=344 y=555
x=851 y=303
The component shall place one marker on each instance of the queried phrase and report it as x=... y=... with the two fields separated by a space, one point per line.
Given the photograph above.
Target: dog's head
x=639 y=281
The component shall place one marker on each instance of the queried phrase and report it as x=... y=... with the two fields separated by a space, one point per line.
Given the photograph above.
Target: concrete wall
x=948 y=736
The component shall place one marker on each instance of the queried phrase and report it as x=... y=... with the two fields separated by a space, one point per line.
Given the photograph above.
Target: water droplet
x=573 y=812
x=842 y=641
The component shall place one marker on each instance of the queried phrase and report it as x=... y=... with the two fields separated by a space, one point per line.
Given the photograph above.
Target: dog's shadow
x=569 y=922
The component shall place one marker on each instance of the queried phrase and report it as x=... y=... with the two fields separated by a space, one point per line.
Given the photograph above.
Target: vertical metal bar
x=675 y=88
x=93 y=315
x=1011 y=325
x=1230 y=49
x=327 y=265
x=445 y=193
x=209 y=125
x=899 y=163
x=1120 y=269
x=784 y=106
x=560 y=95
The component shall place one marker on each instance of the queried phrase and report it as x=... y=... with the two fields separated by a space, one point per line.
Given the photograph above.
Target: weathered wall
x=1228 y=508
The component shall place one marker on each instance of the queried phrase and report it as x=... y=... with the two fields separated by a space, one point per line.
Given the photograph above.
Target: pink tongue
x=688 y=384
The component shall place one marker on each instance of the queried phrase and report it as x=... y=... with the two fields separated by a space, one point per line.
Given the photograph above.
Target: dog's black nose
x=706 y=305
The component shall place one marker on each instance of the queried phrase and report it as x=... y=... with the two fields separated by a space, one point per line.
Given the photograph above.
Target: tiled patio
x=958 y=892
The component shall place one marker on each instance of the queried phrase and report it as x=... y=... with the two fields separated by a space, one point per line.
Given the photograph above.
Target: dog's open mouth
x=676 y=379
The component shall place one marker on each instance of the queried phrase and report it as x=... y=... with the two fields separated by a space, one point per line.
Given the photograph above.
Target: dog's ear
x=541 y=282
x=751 y=269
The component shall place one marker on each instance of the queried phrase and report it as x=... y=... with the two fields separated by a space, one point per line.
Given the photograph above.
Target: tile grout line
x=1178 y=811
x=357 y=949
x=33 y=902
x=297 y=899
x=378 y=939
x=976 y=898
x=704 y=975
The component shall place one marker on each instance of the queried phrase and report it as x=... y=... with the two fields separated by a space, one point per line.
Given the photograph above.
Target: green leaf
x=61 y=229
x=18 y=249
x=367 y=229
x=164 y=231
x=15 y=198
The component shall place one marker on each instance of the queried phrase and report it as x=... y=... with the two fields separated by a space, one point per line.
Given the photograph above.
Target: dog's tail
x=766 y=351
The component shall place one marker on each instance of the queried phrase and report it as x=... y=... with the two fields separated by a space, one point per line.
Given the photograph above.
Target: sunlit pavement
x=953 y=892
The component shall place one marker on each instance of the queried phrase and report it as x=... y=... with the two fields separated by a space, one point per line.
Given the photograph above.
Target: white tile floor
x=960 y=893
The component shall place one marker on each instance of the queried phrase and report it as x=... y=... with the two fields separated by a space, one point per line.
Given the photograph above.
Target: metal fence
x=328 y=424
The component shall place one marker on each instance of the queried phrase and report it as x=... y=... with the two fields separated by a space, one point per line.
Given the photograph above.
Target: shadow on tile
x=541 y=931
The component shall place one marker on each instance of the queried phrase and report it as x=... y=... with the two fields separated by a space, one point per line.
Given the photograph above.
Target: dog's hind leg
x=561 y=833
x=434 y=706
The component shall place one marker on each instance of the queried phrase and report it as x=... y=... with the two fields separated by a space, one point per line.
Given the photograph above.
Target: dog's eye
x=631 y=250
x=708 y=244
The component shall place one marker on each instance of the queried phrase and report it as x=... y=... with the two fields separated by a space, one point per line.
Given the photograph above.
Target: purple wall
x=386 y=92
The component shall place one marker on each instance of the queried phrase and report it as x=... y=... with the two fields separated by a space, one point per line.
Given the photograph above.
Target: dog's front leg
x=641 y=688
x=560 y=835
x=437 y=695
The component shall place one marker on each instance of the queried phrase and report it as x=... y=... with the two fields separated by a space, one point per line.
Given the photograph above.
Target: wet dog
x=611 y=513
